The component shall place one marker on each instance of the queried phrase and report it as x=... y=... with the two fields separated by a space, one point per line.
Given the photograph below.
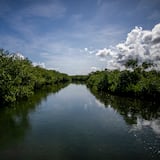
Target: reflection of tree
x=130 y=108
x=14 y=120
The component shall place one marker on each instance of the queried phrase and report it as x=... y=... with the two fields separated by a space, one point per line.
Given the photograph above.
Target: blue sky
x=67 y=34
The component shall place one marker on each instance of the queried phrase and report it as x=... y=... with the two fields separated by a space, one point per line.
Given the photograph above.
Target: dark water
x=76 y=124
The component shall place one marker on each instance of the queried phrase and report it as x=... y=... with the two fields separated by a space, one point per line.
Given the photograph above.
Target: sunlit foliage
x=135 y=82
x=19 y=78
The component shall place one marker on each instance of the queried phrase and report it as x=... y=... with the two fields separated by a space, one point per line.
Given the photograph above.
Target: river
x=80 y=124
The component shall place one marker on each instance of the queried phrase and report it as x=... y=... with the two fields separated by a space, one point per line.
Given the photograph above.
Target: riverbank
x=19 y=79
x=137 y=83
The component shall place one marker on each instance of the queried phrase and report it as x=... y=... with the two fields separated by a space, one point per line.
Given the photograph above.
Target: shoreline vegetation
x=135 y=84
x=19 y=79
x=137 y=81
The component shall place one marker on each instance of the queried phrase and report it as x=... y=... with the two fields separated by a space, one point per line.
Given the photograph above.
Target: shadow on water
x=14 y=119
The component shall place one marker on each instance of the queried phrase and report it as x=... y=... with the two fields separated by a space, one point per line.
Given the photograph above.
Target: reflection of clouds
x=129 y=115
x=90 y=101
x=85 y=106
x=151 y=143
x=108 y=108
x=99 y=104
x=153 y=124
x=17 y=119
x=156 y=126
x=111 y=109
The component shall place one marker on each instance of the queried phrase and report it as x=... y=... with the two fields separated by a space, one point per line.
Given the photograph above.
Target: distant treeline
x=79 y=78
x=135 y=81
x=19 y=78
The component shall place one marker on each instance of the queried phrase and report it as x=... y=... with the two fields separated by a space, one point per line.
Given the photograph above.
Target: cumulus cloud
x=86 y=49
x=104 y=52
x=93 y=68
x=39 y=64
x=89 y=50
x=143 y=45
x=19 y=56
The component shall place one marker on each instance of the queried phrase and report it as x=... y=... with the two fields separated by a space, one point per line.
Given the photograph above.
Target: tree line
x=20 y=79
x=135 y=81
x=141 y=81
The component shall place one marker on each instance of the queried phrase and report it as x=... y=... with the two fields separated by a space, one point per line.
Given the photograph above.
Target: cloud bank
x=140 y=44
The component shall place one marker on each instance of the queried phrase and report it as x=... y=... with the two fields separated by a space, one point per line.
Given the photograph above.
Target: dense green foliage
x=136 y=82
x=79 y=78
x=19 y=78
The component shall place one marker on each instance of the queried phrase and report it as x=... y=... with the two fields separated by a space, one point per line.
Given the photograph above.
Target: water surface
x=76 y=124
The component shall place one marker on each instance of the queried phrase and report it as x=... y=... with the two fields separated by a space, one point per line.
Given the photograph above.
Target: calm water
x=75 y=124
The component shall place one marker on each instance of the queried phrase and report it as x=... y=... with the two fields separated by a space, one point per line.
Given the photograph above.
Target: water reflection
x=154 y=124
x=143 y=117
x=14 y=119
x=73 y=124
x=135 y=112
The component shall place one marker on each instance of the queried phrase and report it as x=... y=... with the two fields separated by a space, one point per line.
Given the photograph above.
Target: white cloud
x=93 y=68
x=19 y=56
x=40 y=64
x=156 y=34
x=74 y=62
x=140 y=44
x=104 y=52
x=89 y=50
x=86 y=49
